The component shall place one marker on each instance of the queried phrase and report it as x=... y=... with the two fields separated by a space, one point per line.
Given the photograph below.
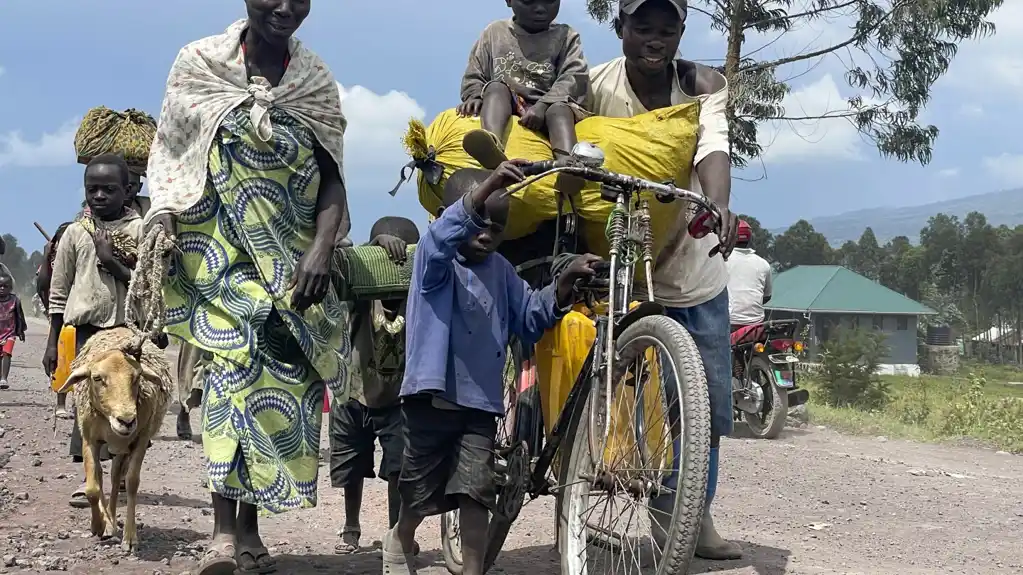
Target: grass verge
x=929 y=408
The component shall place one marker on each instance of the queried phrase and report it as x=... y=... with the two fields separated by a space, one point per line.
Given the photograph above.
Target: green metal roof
x=837 y=289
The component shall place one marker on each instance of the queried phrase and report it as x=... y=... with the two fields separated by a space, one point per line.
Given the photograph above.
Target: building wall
x=900 y=332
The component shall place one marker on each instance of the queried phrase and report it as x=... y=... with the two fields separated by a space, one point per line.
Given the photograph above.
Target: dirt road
x=813 y=502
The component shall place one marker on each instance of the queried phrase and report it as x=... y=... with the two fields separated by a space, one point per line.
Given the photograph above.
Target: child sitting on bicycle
x=464 y=302
x=373 y=411
x=528 y=67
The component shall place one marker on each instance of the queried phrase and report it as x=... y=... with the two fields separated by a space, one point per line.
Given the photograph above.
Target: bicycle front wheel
x=635 y=477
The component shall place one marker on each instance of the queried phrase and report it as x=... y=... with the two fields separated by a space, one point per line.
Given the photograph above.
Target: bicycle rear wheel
x=517 y=436
x=645 y=467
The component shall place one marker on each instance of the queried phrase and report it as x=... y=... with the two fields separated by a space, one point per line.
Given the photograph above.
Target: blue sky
x=402 y=58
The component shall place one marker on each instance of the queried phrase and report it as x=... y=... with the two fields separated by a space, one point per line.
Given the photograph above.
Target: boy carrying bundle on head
x=528 y=67
x=373 y=411
x=465 y=301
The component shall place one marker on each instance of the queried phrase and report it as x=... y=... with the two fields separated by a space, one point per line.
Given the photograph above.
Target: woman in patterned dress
x=246 y=173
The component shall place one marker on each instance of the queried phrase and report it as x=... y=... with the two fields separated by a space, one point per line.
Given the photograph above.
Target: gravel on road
x=811 y=502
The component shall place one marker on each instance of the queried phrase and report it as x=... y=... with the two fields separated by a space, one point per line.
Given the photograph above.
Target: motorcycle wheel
x=771 y=420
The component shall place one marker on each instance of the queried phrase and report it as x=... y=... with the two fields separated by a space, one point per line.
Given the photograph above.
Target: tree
x=763 y=240
x=903 y=268
x=19 y=263
x=802 y=245
x=893 y=53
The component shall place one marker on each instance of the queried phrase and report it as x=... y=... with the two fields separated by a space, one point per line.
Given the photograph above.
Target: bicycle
x=676 y=489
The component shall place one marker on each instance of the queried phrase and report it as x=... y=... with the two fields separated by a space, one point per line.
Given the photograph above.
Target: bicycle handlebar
x=706 y=220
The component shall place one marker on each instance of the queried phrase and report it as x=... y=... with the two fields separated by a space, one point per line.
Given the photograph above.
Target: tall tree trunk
x=733 y=55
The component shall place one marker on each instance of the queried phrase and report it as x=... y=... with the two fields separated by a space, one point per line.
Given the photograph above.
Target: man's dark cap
x=629 y=7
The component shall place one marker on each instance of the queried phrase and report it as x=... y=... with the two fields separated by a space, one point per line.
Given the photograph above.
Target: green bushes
x=931 y=408
x=848 y=375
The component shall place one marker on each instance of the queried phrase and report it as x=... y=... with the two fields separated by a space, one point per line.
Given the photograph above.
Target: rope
x=146 y=309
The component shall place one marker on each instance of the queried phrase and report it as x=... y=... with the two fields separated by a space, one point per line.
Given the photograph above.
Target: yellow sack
x=658 y=146
x=529 y=207
x=65 y=355
x=560 y=355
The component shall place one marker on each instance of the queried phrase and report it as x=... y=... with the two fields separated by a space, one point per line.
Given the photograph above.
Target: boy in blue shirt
x=464 y=301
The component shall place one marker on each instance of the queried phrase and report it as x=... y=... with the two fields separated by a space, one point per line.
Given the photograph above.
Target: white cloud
x=989 y=67
x=51 y=149
x=1006 y=168
x=376 y=124
x=948 y=173
x=811 y=140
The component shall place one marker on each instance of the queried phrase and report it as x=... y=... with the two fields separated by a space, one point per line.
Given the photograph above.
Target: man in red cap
x=749 y=281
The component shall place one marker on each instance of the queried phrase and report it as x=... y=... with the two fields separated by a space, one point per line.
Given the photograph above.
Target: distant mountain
x=1005 y=207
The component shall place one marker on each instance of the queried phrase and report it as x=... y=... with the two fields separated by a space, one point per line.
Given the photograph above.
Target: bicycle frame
x=631 y=239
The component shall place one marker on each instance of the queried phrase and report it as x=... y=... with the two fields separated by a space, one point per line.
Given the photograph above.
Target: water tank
x=939 y=335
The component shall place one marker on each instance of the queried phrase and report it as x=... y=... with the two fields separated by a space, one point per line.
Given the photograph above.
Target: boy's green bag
x=367 y=273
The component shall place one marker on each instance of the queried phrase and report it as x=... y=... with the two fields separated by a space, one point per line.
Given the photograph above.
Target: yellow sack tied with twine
x=105 y=131
x=658 y=146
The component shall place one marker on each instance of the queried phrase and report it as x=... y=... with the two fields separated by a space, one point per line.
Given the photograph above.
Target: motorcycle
x=764 y=359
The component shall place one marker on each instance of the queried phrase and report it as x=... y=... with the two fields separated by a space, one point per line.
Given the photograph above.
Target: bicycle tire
x=679 y=538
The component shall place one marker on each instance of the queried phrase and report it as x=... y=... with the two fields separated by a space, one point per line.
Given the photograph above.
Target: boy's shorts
x=354 y=428
x=448 y=452
x=7 y=347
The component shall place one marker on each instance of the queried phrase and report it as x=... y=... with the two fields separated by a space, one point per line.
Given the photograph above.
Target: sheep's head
x=113 y=385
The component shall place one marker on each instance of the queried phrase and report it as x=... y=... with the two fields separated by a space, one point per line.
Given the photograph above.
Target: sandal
x=218 y=560
x=485 y=147
x=78 y=499
x=349 y=542
x=396 y=563
x=255 y=560
x=3 y=384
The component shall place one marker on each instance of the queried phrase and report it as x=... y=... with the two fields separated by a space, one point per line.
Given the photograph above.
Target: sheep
x=121 y=400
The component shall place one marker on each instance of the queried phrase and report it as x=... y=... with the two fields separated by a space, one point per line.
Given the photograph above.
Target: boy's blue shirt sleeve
x=531 y=312
x=437 y=248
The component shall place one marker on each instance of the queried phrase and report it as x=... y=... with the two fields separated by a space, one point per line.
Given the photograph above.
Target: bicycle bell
x=588 y=154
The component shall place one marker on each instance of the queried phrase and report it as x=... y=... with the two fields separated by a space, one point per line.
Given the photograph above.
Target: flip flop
x=64 y=414
x=218 y=560
x=485 y=147
x=349 y=546
x=78 y=499
x=255 y=560
x=396 y=563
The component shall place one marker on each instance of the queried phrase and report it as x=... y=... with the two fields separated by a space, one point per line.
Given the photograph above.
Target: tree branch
x=816 y=53
x=816 y=12
x=825 y=51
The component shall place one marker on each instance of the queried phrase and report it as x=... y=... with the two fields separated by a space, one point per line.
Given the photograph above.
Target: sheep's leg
x=130 y=537
x=102 y=526
x=117 y=470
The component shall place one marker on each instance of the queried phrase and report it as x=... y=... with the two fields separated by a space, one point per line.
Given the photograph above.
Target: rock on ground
x=811 y=502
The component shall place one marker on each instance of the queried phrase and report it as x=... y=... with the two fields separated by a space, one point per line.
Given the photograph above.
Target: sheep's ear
x=80 y=374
